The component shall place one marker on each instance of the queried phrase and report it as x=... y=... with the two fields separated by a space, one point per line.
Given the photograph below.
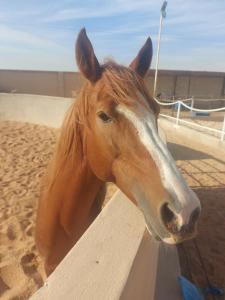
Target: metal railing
x=178 y=120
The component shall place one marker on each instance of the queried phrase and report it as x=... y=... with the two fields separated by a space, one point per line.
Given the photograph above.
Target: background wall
x=171 y=83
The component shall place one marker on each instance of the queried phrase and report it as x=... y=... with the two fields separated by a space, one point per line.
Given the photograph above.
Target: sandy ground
x=25 y=150
x=206 y=175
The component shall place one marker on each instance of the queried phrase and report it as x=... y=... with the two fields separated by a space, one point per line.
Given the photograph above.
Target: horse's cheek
x=100 y=163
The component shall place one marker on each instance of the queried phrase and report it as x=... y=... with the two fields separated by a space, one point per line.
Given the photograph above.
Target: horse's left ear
x=86 y=59
x=142 y=61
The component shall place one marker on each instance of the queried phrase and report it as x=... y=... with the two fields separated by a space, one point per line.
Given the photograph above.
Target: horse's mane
x=121 y=84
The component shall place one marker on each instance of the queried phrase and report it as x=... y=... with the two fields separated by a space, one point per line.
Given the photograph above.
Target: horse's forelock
x=123 y=84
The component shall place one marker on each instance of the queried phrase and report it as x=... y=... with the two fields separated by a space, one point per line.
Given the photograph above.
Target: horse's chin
x=171 y=239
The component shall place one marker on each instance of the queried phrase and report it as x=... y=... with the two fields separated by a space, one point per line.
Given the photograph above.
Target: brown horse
x=110 y=135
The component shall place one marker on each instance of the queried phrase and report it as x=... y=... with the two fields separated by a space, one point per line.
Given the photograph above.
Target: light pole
x=162 y=16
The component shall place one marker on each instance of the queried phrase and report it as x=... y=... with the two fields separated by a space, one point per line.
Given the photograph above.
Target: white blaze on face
x=183 y=198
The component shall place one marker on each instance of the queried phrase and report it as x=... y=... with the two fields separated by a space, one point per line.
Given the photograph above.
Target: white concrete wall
x=44 y=110
x=194 y=138
x=116 y=259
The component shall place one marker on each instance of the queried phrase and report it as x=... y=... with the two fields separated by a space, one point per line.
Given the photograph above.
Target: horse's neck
x=77 y=188
x=72 y=201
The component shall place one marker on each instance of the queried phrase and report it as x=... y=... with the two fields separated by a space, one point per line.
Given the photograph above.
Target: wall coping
x=116 y=259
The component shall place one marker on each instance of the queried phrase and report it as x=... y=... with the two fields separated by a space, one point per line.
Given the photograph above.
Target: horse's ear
x=142 y=61
x=86 y=59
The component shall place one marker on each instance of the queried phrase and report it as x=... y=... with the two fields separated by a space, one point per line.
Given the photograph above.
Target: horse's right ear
x=86 y=59
x=142 y=61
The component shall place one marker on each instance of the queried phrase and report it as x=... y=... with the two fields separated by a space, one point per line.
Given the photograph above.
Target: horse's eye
x=104 y=117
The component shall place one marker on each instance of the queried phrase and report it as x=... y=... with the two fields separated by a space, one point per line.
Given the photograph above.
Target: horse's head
x=123 y=145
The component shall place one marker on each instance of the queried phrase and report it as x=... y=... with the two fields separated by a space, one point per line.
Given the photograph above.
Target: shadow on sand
x=180 y=152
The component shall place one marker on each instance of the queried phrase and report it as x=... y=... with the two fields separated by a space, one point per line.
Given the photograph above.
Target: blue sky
x=40 y=34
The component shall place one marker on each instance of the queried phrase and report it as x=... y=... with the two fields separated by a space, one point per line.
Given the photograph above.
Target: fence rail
x=178 y=120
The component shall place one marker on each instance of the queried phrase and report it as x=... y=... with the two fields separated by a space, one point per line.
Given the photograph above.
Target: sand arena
x=25 y=149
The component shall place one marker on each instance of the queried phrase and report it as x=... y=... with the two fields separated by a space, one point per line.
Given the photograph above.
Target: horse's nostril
x=192 y=222
x=194 y=216
x=169 y=218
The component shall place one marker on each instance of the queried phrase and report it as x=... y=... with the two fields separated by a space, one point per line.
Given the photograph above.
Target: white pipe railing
x=223 y=130
x=191 y=108
x=172 y=103
x=178 y=113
